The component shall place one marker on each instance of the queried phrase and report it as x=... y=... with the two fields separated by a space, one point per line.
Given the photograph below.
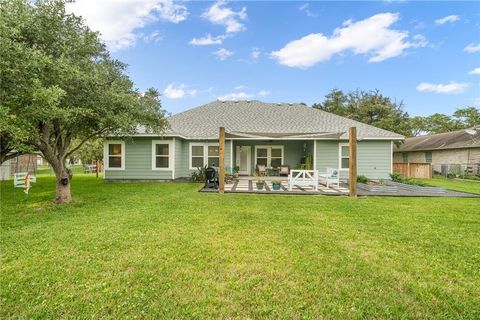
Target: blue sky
x=424 y=53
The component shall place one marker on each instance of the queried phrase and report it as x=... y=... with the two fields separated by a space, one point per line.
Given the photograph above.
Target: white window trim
x=269 y=153
x=106 y=154
x=340 y=145
x=205 y=146
x=171 y=155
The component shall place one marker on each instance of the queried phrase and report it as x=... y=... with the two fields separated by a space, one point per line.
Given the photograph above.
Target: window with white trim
x=115 y=155
x=344 y=156
x=202 y=154
x=197 y=157
x=270 y=156
x=213 y=154
x=161 y=155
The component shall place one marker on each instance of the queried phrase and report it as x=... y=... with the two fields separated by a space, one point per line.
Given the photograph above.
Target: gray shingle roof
x=448 y=140
x=259 y=119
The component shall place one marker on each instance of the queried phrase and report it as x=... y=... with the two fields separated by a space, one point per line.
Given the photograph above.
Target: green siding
x=327 y=155
x=138 y=162
x=181 y=158
x=374 y=158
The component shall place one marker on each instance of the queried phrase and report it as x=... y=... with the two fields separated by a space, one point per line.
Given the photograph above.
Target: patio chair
x=261 y=170
x=211 y=178
x=332 y=176
x=284 y=170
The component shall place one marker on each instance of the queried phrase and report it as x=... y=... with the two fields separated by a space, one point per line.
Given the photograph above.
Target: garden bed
x=377 y=187
x=415 y=188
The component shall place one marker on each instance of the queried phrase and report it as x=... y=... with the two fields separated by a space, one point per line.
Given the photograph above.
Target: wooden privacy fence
x=414 y=170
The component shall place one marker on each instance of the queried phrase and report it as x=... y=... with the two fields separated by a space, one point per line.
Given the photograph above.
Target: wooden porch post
x=352 y=172
x=221 y=169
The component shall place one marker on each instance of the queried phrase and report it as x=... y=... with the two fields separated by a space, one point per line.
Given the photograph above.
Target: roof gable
x=267 y=120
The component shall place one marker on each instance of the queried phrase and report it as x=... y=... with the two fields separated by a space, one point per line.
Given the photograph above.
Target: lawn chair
x=332 y=176
x=284 y=170
x=261 y=170
x=211 y=178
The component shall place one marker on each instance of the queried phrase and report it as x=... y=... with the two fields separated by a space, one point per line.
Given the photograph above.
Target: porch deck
x=248 y=185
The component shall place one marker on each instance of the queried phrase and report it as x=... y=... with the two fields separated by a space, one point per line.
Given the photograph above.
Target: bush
x=397 y=177
x=362 y=179
x=199 y=175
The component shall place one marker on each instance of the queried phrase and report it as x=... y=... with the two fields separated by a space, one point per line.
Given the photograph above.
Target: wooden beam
x=352 y=169
x=221 y=165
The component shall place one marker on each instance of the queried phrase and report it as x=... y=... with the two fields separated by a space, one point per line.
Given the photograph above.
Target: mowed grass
x=464 y=185
x=163 y=250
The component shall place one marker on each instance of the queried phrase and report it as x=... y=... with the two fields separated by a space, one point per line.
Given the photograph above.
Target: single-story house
x=455 y=148
x=271 y=134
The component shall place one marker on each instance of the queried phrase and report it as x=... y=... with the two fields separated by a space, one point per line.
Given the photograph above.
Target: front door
x=243 y=159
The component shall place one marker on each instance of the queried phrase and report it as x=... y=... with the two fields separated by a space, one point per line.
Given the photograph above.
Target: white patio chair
x=332 y=176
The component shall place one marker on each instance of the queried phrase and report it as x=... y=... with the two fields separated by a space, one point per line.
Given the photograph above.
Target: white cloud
x=223 y=54
x=236 y=96
x=371 y=36
x=263 y=93
x=449 y=88
x=218 y=13
x=207 y=40
x=117 y=21
x=306 y=8
x=475 y=71
x=255 y=54
x=472 y=47
x=155 y=37
x=178 y=92
x=451 y=18
x=240 y=87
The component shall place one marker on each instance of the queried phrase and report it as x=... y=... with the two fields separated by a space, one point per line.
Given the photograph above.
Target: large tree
x=60 y=87
x=437 y=123
x=370 y=107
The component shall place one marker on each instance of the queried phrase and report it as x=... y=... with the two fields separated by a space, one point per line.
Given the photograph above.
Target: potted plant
x=259 y=182
x=276 y=184
x=235 y=171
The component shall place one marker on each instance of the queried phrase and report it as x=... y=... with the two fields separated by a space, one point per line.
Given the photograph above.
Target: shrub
x=199 y=175
x=397 y=177
x=362 y=179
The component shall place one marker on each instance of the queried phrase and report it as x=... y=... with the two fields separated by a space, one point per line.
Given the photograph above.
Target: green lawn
x=471 y=186
x=166 y=251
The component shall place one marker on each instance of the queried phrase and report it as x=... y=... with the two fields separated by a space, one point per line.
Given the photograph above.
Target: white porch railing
x=303 y=178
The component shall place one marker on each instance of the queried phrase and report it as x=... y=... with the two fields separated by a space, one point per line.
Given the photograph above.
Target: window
x=115 y=159
x=405 y=157
x=428 y=156
x=262 y=156
x=202 y=154
x=161 y=155
x=270 y=156
x=344 y=156
x=213 y=155
x=197 y=157
x=276 y=157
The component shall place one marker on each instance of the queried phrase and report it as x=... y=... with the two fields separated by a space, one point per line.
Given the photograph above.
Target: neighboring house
x=21 y=163
x=5 y=172
x=272 y=134
x=461 y=147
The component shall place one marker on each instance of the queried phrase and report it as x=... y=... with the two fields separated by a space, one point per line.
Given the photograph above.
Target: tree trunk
x=63 y=194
